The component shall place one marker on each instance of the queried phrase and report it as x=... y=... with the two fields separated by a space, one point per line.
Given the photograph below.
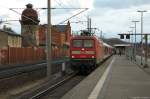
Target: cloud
x=111 y=16
x=119 y=4
x=113 y=21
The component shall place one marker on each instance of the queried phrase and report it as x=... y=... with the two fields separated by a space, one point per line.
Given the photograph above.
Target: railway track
x=44 y=90
x=55 y=90
x=41 y=94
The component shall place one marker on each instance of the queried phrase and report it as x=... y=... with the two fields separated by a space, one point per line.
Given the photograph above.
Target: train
x=87 y=51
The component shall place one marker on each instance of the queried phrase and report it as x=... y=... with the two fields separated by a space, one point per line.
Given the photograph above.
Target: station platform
x=118 y=79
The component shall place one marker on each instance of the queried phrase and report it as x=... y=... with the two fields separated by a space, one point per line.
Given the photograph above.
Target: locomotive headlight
x=93 y=57
x=82 y=49
x=72 y=56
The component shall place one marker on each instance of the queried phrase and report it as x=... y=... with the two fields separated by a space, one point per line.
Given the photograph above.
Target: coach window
x=77 y=43
x=88 y=43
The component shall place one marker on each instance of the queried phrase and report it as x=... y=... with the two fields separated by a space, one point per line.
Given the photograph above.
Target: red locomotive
x=86 y=52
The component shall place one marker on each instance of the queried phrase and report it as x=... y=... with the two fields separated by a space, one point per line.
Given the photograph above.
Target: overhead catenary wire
x=73 y=16
x=77 y=16
x=72 y=5
x=1 y=21
x=60 y=4
x=23 y=15
x=50 y=8
x=7 y=20
x=12 y=9
x=63 y=6
x=67 y=3
x=44 y=8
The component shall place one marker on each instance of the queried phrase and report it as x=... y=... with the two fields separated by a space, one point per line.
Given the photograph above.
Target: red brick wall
x=42 y=35
x=58 y=38
x=21 y=55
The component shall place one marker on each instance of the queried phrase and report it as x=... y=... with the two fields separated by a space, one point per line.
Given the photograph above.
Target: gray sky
x=111 y=16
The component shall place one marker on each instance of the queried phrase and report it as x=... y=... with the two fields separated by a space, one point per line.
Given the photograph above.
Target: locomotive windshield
x=88 y=43
x=77 y=43
x=83 y=43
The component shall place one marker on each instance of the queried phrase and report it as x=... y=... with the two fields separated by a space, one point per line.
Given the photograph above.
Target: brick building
x=60 y=34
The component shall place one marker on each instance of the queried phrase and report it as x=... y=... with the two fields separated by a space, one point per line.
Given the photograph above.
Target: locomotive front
x=83 y=53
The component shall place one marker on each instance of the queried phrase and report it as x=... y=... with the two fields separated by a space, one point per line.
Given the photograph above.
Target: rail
x=44 y=88
x=41 y=93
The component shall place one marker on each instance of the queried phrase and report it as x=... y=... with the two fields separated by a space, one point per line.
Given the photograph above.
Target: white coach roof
x=121 y=45
x=107 y=45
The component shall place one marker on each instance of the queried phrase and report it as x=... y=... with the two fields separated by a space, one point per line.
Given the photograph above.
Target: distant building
x=10 y=39
x=60 y=34
x=121 y=48
x=29 y=26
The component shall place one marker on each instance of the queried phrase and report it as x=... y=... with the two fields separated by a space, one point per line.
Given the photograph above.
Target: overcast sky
x=110 y=16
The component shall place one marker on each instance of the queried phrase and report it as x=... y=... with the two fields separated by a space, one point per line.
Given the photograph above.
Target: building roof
x=10 y=33
x=61 y=28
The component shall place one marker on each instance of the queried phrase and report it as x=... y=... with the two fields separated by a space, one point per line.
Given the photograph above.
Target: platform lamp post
x=129 y=51
x=141 y=11
x=135 y=39
x=146 y=50
x=132 y=28
x=48 y=39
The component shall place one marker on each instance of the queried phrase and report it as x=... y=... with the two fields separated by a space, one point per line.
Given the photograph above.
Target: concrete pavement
x=123 y=80
x=85 y=87
x=126 y=81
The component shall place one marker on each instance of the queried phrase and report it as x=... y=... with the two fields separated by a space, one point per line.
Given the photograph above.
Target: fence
x=59 y=52
x=21 y=55
x=29 y=55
